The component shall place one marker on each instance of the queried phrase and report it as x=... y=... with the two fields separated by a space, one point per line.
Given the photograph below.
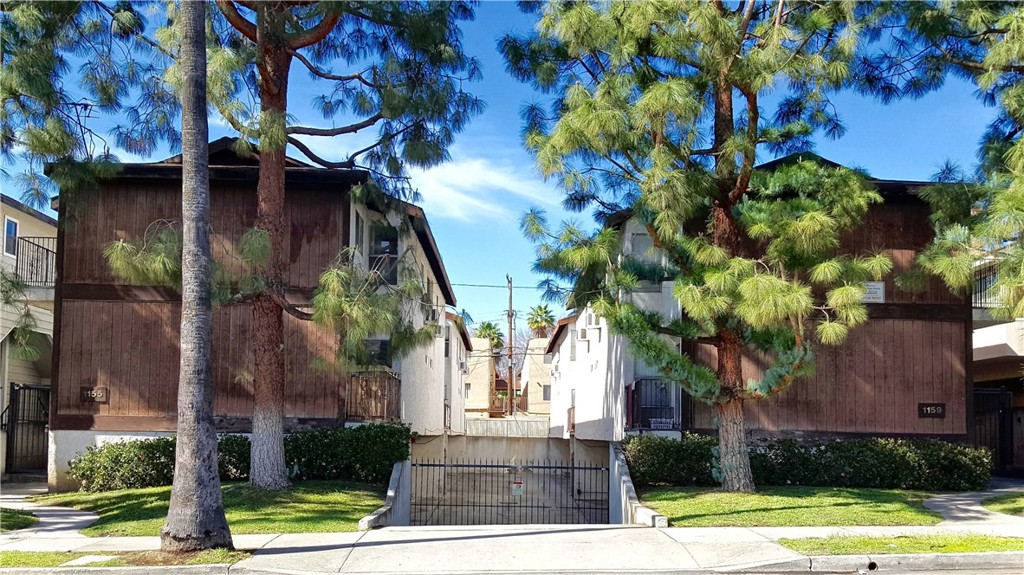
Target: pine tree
x=195 y=516
x=407 y=83
x=48 y=111
x=978 y=218
x=643 y=124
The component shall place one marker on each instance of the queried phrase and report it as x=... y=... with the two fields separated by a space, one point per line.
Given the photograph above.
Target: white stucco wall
x=66 y=445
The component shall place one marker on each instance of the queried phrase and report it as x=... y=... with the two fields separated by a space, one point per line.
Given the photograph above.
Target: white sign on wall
x=875 y=293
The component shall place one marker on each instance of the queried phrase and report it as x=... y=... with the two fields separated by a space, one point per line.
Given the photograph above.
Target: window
x=467 y=391
x=642 y=246
x=11 y=237
x=547 y=393
x=384 y=251
x=448 y=341
x=378 y=352
x=572 y=345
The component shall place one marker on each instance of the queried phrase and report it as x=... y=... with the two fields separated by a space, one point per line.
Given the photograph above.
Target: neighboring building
x=30 y=242
x=998 y=373
x=535 y=378
x=117 y=354
x=903 y=372
x=479 y=381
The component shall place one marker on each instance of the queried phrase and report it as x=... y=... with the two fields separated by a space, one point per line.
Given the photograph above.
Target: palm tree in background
x=541 y=320
x=490 y=330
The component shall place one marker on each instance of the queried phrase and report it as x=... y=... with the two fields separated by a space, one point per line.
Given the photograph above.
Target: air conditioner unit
x=463 y=366
x=434 y=314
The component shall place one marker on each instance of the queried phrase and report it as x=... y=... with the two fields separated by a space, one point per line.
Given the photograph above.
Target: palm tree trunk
x=268 y=464
x=195 y=518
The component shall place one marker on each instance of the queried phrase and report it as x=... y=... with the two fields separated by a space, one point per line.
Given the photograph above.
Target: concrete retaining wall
x=396 y=508
x=624 y=508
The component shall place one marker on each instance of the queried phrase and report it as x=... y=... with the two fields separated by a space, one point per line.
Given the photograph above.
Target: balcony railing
x=656 y=405
x=374 y=397
x=984 y=293
x=37 y=261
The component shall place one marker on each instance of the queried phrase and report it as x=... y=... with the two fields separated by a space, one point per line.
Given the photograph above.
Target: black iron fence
x=496 y=492
x=37 y=261
x=656 y=405
x=984 y=293
x=25 y=421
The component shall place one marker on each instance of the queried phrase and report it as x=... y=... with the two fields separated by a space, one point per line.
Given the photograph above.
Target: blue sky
x=475 y=201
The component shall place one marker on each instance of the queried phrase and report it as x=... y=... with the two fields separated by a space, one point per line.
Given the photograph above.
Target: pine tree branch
x=291 y=309
x=315 y=34
x=349 y=129
x=237 y=21
x=328 y=76
x=747 y=168
x=345 y=165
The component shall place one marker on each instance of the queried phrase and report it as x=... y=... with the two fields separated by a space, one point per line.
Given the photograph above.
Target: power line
x=505 y=287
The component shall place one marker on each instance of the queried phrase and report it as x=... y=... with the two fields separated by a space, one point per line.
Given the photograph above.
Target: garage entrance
x=482 y=492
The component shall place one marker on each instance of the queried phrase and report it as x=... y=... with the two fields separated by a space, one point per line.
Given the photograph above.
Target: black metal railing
x=508 y=492
x=37 y=261
x=656 y=405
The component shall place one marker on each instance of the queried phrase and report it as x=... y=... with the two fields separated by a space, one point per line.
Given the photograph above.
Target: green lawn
x=910 y=544
x=11 y=519
x=306 y=507
x=142 y=558
x=788 y=507
x=1011 y=504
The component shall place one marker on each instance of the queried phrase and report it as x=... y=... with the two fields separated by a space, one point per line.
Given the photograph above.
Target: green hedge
x=927 y=464
x=365 y=453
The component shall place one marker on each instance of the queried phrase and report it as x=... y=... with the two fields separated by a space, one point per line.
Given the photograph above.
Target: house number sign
x=518 y=488
x=933 y=410
x=93 y=395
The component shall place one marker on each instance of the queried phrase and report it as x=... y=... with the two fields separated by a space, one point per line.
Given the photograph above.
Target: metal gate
x=508 y=493
x=993 y=425
x=25 y=421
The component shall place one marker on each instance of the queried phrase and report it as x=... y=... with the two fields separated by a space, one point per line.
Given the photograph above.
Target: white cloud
x=474 y=188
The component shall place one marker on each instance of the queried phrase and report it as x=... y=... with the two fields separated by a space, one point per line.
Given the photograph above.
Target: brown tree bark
x=268 y=464
x=195 y=517
x=734 y=459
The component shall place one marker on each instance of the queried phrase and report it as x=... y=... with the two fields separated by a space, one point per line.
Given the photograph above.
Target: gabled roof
x=461 y=326
x=227 y=165
x=560 y=327
x=9 y=201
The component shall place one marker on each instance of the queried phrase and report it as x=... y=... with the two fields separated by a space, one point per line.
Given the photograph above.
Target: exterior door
x=25 y=422
x=993 y=425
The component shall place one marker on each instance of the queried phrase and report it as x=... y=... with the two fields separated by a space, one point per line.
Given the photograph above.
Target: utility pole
x=511 y=369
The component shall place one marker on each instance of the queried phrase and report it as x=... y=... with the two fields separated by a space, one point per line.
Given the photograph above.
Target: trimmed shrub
x=123 y=465
x=893 y=463
x=233 y=455
x=656 y=460
x=365 y=453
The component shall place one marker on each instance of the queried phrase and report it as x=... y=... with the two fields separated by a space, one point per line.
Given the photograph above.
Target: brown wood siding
x=132 y=349
x=124 y=210
x=870 y=384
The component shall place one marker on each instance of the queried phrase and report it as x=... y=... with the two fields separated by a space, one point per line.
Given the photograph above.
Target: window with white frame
x=10 y=236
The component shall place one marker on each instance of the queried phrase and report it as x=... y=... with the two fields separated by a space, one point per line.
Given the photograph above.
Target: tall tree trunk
x=268 y=464
x=733 y=457
x=195 y=518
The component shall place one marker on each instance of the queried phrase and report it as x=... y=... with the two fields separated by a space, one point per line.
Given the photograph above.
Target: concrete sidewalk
x=551 y=549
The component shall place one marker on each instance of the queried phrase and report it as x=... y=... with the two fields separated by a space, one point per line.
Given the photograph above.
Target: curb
x=972 y=562
x=211 y=569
